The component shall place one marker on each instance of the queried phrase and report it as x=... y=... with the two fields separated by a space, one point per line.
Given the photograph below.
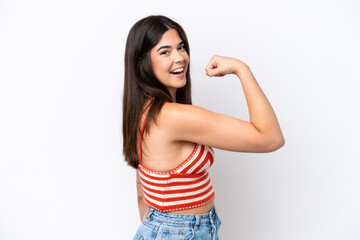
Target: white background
x=62 y=173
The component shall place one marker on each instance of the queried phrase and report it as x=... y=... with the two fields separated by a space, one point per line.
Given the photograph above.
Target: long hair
x=141 y=84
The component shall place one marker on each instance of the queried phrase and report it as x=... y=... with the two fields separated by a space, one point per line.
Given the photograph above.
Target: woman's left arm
x=142 y=205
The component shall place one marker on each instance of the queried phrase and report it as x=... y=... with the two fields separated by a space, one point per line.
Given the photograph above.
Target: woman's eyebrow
x=167 y=46
x=162 y=47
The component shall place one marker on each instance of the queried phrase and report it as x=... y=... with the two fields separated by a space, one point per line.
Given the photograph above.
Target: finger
x=209 y=72
x=213 y=72
x=211 y=65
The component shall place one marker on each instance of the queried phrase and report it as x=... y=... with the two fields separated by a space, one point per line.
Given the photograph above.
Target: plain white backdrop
x=62 y=173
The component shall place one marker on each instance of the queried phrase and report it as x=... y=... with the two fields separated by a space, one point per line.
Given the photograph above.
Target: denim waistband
x=183 y=219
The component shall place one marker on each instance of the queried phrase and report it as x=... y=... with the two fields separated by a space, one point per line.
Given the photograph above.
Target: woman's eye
x=182 y=47
x=164 y=52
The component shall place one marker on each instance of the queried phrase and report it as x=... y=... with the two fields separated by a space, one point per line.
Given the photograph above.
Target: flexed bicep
x=198 y=125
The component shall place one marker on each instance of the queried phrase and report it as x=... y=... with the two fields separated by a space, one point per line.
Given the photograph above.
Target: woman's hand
x=220 y=66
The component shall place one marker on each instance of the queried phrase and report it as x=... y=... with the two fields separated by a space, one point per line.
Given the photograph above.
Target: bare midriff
x=192 y=211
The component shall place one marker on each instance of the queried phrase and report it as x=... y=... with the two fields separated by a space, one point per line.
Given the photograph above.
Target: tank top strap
x=141 y=132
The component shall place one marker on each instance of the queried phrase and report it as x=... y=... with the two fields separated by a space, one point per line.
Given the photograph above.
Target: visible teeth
x=178 y=70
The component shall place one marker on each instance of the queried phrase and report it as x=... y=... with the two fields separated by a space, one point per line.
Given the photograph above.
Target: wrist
x=240 y=68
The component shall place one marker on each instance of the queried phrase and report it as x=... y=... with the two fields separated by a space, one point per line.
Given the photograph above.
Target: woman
x=169 y=141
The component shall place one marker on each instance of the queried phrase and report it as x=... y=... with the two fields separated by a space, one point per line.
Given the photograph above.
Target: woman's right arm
x=195 y=124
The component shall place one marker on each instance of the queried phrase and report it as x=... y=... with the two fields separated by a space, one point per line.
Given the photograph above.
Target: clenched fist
x=220 y=66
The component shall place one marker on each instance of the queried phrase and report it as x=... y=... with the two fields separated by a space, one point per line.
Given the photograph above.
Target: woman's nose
x=177 y=56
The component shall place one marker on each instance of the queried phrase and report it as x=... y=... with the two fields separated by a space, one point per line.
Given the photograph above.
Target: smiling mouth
x=178 y=71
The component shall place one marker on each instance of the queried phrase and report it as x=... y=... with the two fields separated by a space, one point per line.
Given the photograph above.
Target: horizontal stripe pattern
x=186 y=186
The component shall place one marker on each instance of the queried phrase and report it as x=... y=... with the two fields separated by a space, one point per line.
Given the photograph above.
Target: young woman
x=170 y=141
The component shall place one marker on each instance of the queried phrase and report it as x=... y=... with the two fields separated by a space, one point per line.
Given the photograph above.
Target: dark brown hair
x=141 y=84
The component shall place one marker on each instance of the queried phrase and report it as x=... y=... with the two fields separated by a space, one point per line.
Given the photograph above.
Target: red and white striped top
x=186 y=186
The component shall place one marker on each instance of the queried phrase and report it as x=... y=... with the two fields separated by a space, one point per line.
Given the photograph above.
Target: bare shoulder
x=184 y=117
x=177 y=110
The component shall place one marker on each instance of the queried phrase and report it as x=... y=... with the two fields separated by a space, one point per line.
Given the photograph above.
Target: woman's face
x=170 y=61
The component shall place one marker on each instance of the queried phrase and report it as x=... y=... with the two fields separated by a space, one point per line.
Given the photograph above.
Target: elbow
x=276 y=144
x=140 y=199
x=280 y=143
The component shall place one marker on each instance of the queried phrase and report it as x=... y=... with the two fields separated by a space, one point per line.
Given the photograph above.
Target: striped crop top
x=186 y=186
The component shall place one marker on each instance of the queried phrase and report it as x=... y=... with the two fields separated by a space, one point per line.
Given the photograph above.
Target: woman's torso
x=161 y=153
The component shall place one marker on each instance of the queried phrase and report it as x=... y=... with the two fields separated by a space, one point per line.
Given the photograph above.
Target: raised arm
x=195 y=124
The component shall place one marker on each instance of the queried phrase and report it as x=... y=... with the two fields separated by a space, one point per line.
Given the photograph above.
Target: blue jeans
x=159 y=225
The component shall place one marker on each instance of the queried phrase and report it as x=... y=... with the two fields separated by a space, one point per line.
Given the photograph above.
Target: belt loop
x=213 y=227
x=195 y=226
x=197 y=221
